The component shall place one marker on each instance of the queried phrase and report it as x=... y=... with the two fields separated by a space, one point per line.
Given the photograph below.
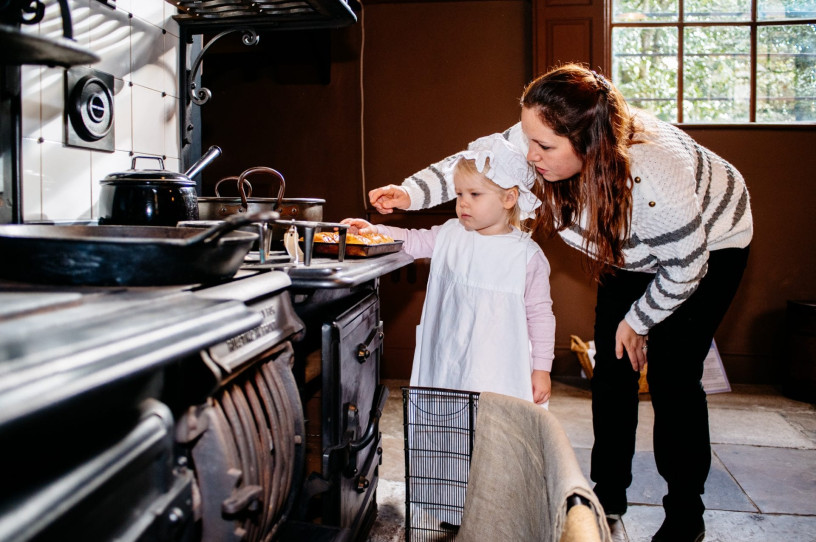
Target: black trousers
x=677 y=350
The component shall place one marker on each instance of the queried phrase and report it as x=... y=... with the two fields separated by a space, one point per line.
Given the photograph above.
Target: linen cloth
x=522 y=472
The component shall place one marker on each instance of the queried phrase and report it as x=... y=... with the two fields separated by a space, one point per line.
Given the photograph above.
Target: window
x=717 y=61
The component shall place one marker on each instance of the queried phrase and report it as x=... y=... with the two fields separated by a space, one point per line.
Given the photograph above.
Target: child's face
x=482 y=206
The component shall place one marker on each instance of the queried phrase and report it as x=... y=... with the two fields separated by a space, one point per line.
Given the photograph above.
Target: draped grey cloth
x=522 y=472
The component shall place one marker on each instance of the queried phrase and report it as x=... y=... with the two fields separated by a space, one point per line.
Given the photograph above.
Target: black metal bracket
x=203 y=95
x=228 y=16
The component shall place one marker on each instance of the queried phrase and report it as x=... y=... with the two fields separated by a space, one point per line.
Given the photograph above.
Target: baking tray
x=358 y=251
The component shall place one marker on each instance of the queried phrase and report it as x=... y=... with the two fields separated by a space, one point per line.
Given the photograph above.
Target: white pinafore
x=473 y=332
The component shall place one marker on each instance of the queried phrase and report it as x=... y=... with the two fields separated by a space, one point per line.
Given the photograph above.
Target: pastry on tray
x=353 y=238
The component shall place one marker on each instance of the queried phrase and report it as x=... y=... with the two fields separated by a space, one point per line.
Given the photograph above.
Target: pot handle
x=159 y=158
x=260 y=169
x=230 y=223
x=233 y=178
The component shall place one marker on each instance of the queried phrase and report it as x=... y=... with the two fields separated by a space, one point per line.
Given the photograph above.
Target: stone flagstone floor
x=762 y=485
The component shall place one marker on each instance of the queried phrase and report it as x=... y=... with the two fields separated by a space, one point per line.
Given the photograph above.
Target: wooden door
x=569 y=31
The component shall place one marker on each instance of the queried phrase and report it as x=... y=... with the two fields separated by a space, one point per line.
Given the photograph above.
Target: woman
x=665 y=225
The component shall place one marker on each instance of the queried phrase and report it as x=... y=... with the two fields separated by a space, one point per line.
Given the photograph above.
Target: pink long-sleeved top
x=420 y=243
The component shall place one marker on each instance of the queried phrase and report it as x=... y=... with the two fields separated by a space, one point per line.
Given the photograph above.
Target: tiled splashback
x=138 y=44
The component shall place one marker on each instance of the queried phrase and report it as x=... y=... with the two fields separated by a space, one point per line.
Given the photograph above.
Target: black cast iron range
x=243 y=411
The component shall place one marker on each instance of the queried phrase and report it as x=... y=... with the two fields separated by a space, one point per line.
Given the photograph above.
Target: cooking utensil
x=212 y=153
x=218 y=207
x=151 y=197
x=125 y=255
x=309 y=228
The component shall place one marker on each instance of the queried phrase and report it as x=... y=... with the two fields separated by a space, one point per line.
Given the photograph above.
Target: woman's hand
x=388 y=198
x=634 y=344
x=358 y=225
x=542 y=387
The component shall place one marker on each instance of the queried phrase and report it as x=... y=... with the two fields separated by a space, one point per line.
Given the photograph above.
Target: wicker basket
x=581 y=350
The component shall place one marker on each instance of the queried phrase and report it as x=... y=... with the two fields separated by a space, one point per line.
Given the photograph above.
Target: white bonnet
x=508 y=168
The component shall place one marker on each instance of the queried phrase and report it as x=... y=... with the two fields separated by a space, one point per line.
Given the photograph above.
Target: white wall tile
x=33 y=29
x=169 y=64
x=171 y=127
x=51 y=25
x=32 y=180
x=30 y=83
x=146 y=52
x=170 y=24
x=81 y=17
x=103 y=164
x=66 y=182
x=52 y=106
x=148 y=121
x=125 y=5
x=110 y=39
x=62 y=183
x=123 y=115
x=149 y=10
x=172 y=164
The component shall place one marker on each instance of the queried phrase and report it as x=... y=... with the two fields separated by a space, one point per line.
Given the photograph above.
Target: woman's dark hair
x=584 y=107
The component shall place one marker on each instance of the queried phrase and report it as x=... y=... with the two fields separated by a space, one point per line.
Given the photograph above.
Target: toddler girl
x=487 y=323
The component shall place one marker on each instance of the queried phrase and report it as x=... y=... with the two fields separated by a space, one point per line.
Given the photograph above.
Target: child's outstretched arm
x=358 y=225
x=418 y=243
x=542 y=387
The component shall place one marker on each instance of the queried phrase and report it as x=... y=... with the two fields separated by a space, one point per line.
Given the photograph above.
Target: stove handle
x=373 y=341
x=373 y=421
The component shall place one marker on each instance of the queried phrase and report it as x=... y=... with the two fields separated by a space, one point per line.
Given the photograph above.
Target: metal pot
x=218 y=207
x=151 y=197
x=125 y=256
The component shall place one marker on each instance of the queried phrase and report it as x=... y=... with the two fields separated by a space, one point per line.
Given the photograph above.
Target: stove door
x=115 y=483
x=352 y=397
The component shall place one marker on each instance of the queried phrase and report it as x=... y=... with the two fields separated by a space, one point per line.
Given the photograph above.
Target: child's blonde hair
x=467 y=166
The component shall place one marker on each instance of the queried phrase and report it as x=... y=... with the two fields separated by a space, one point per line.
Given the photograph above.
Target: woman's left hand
x=634 y=344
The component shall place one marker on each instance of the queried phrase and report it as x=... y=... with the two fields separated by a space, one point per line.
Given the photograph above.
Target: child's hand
x=359 y=226
x=542 y=387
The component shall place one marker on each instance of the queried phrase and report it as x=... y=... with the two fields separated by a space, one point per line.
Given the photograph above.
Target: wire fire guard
x=439 y=429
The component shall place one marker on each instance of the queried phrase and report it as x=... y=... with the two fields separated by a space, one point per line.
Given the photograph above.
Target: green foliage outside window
x=726 y=73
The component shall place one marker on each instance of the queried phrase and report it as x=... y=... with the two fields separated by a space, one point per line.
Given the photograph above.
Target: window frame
x=681 y=24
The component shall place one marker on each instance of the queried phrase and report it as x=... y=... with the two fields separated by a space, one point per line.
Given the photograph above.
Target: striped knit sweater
x=687 y=201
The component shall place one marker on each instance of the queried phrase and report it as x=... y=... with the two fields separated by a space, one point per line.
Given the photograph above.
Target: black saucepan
x=125 y=255
x=151 y=197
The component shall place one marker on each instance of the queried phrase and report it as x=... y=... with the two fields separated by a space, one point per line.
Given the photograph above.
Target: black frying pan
x=125 y=255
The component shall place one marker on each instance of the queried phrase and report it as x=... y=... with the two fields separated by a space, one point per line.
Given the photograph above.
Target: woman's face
x=552 y=155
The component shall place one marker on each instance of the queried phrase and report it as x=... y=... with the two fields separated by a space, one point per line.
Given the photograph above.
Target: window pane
x=717 y=10
x=717 y=74
x=644 y=68
x=786 y=9
x=786 y=73
x=644 y=10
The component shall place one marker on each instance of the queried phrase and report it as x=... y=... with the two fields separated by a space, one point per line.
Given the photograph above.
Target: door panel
x=569 y=31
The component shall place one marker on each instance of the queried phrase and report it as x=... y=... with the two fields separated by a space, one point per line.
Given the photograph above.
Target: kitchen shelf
x=215 y=15
x=21 y=48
